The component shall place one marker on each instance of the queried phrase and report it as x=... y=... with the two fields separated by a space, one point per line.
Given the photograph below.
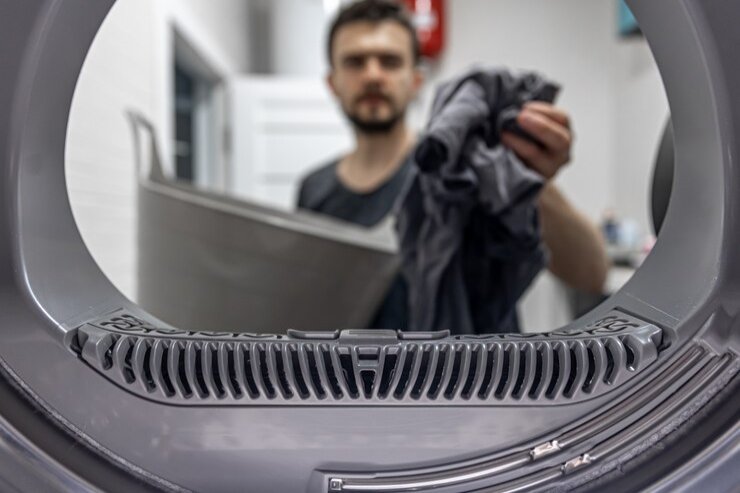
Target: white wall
x=640 y=114
x=129 y=67
x=218 y=27
x=118 y=74
x=297 y=37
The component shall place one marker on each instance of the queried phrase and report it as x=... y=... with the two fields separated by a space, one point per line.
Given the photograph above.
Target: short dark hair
x=374 y=11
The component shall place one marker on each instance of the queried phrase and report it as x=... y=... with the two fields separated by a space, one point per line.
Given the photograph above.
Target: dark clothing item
x=470 y=236
x=321 y=191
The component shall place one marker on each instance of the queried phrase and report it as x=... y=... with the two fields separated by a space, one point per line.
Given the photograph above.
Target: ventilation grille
x=447 y=371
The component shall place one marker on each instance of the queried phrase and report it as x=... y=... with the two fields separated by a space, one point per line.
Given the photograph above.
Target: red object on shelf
x=428 y=17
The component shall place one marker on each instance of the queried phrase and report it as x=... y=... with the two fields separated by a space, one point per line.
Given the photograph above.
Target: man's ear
x=419 y=78
x=330 y=82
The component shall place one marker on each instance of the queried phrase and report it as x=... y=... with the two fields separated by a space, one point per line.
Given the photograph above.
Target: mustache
x=373 y=93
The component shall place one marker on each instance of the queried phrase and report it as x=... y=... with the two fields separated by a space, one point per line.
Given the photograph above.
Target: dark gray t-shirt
x=321 y=191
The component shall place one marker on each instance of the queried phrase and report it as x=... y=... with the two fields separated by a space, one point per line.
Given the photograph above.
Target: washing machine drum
x=95 y=394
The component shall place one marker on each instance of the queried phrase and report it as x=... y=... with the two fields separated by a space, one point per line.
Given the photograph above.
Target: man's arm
x=578 y=254
x=577 y=250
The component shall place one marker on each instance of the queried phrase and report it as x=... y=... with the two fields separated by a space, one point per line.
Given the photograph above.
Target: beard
x=374 y=125
x=383 y=126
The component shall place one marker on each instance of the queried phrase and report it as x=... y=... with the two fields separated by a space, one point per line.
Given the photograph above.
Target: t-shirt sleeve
x=314 y=187
x=300 y=202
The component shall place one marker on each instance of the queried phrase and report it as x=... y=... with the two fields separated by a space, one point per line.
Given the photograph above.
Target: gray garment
x=468 y=224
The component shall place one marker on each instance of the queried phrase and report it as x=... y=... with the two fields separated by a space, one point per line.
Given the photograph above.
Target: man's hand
x=577 y=252
x=550 y=126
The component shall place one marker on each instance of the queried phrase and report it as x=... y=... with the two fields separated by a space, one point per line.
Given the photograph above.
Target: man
x=373 y=55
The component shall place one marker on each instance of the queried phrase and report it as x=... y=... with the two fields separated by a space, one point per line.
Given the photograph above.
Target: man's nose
x=373 y=69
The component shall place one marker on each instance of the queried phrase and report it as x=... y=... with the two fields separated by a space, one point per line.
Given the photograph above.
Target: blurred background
x=235 y=93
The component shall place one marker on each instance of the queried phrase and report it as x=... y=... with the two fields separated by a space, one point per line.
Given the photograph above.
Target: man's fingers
x=532 y=155
x=549 y=110
x=550 y=133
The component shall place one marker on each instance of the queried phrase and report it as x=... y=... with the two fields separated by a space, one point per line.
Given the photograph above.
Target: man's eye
x=354 y=62
x=391 y=61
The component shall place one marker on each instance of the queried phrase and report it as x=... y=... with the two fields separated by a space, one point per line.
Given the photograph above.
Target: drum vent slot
x=347 y=372
x=390 y=361
x=277 y=353
x=424 y=371
x=169 y=387
x=331 y=371
x=315 y=372
x=297 y=363
x=264 y=372
x=128 y=367
x=406 y=375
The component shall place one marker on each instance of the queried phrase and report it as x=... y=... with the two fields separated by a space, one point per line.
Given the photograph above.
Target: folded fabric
x=468 y=222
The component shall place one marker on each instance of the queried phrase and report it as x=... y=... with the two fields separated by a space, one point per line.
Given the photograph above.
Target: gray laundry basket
x=215 y=261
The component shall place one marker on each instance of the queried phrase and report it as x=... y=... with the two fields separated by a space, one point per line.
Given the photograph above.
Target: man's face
x=373 y=74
